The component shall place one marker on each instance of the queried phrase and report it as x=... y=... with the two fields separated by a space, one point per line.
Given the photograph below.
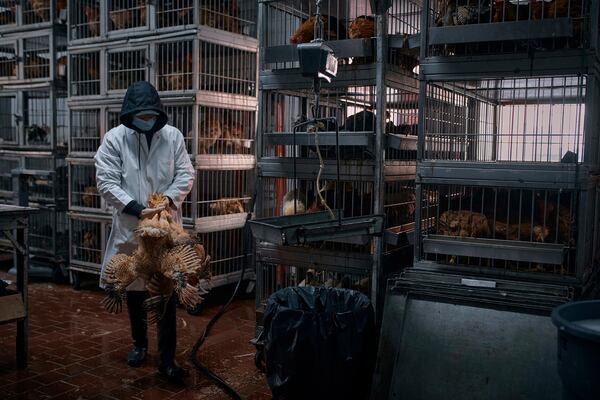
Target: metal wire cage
x=171 y=13
x=85 y=74
x=39 y=11
x=126 y=67
x=235 y=16
x=175 y=66
x=227 y=69
x=83 y=194
x=127 y=14
x=84 y=130
x=8 y=61
x=226 y=131
x=48 y=236
x=7 y=164
x=84 y=19
x=181 y=116
x=226 y=260
x=51 y=186
x=8 y=13
x=87 y=241
x=468 y=28
x=223 y=192
x=45 y=119
x=9 y=119
x=518 y=120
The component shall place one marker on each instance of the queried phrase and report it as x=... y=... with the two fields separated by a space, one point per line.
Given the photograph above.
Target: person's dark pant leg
x=139 y=329
x=167 y=333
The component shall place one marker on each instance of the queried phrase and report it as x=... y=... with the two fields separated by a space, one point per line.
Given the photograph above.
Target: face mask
x=142 y=125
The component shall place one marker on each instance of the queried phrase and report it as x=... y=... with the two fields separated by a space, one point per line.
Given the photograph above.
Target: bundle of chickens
x=167 y=259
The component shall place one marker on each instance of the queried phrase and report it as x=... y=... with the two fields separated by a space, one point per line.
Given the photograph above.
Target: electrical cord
x=220 y=382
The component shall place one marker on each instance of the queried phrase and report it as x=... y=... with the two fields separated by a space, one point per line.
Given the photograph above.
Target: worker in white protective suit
x=141 y=156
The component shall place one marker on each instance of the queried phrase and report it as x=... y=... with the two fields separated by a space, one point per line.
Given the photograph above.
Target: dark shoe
x=136 y=357
x=173 y=372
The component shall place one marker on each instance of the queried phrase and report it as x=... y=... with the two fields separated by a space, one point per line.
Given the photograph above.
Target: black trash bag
x=319 y=343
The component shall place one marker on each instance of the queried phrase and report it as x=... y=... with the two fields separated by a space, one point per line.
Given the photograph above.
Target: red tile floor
x=77 y=351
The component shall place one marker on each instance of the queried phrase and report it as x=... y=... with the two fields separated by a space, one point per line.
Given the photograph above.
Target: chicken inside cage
x=83 y=187
x=8 y=12
x=8 y=61
x=38 y=11
x=37 y=114
x=536 y=216
x=174 y=13
x=85 y=130
x=508 y=120
x=222 y=192
x=125 y=14
x=84 y=19
x=468 y=12
x=85 y=74
x=8 y=120
x=86 y=241
x=224 y=131
x=399 y=203
x=227 y=69
x=126 y=67
x=221 y=14
x=175 y=65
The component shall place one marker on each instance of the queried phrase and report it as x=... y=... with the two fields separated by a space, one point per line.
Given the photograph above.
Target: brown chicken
x=90 y=197
x=92 y=14
x=362 y=27
x=210 y=132
x=227 y=206
x=225 y=17
x=233 y=134
x=177 y=75
x=332 y=30
x=464 y=224
x=41 y=8
x=400 y=206
x=122 y=18
x=90 y=247
x=522 y=232
x=166 y=259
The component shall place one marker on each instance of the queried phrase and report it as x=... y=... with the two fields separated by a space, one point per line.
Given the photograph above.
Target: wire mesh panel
x=8 y=12
x=7 y=164
x=236 y=16
x=225 y=131
x=174 y=63
x=186 y=208
x=36 y=60
x=38 y=11
x=8 y=120
x=402 y=121
x=126 y=67
x=85 y=130
x=84 y=19
x=538 y=217
x=515 y=120
x=174 y=13
x=542 y=17
x=280 y=196
x=354 y=108
x=227 y=69
x=8 y=60
x=222 y=192
x=86 y=241
x=85 y=74
x=48 y=234
x=181 y=116
x=112 y=117
x=37 y=118
x=51 y=188
x=278 y=276
x=399 y=203
x=126 y=14
x=224 y=259
x=84 y=193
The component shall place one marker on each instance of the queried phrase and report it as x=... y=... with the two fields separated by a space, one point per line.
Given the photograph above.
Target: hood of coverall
x=142 y=96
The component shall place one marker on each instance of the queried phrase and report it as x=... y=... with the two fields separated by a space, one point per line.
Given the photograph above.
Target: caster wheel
x=75 y=280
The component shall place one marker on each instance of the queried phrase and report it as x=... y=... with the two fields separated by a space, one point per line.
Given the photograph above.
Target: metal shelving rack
x=201 y=55
x=377 y=155
x=508 y=142
x=33 y=119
